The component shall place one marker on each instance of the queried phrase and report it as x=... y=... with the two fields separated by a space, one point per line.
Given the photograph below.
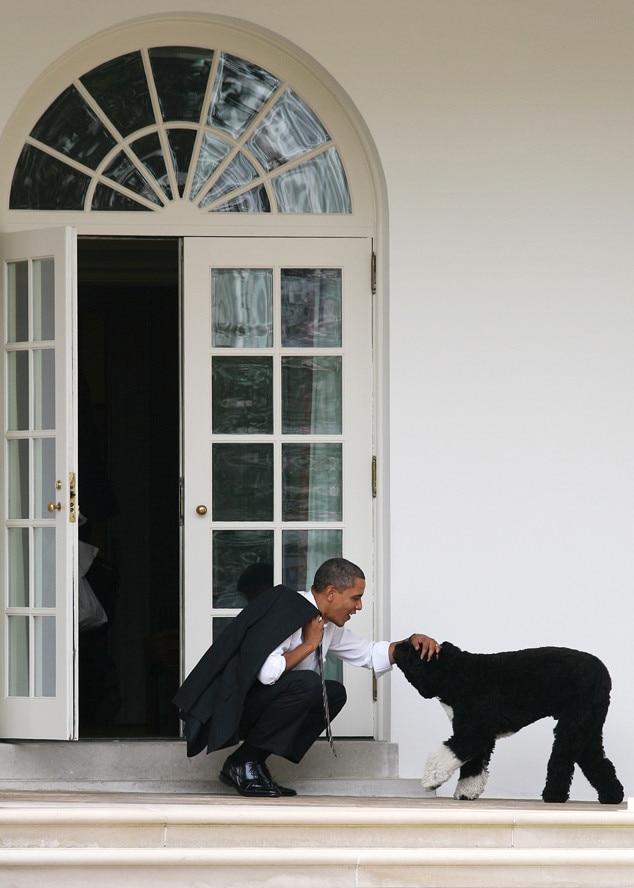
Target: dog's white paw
x=439 y=768
x=471 y=787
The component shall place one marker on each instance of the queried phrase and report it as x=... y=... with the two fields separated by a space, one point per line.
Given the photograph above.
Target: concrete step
x=360 y=768
x=115 y=813
x=77 y=839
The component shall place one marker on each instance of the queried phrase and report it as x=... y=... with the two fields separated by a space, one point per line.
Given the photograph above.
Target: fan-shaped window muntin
x=168 y=123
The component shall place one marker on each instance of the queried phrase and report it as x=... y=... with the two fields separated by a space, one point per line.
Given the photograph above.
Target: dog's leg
x=599 y=771
x=590 y=755
x=440 y=766
x=468 y=749
x=580 y=739
x=473 y=777
x=561 y=764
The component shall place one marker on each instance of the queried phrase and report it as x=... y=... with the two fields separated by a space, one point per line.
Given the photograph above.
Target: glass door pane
x=266 y=326
x=31 y=410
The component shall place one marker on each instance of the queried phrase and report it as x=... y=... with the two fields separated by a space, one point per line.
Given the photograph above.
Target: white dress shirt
x=338 y=639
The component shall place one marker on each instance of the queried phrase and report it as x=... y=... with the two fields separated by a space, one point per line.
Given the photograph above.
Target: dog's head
x=427 y=676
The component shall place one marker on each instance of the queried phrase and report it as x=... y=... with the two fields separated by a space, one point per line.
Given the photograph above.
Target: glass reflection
x=44 y=475
x=19 y=477
x=106 y=198
x=148 y=150
x=18 y=566
x=181 y=142
x=243 y=482
x=242 y=307
x=254 y=201
x=289 y=130
x=120 y=87
x=242 y=395
x=304 y=550
x=242 y=565
x=42 y=182
x=240 y=91
x=71 y=127
x=311 y=307
x=18 y=390
x=17 y=301
x=212 y=151
x=44 y=656
x=238 y=173
x=318 y=185
x=43 y=299
x=44 y=388
x=18 y=638
x=180 y=75
x=122 y=171
x=44 y=566
x=311 y=395
x=312 y=482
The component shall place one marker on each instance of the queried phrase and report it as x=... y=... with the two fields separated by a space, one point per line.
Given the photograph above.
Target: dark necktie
x=320 y=662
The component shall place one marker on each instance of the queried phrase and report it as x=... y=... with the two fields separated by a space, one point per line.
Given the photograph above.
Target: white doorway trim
x=363 y=167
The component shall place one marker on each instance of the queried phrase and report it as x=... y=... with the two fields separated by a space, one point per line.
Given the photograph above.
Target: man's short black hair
x=338 y=572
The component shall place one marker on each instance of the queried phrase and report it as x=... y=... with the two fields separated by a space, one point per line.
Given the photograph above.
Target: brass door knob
x=201 y=510
x=52 y=507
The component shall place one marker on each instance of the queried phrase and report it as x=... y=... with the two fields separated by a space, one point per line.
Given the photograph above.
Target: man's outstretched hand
x=428 y=647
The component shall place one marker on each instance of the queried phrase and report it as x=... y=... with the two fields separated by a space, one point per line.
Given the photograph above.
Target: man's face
x=341 y=605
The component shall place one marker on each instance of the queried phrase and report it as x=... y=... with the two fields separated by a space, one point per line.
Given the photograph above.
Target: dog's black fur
x=492 y=695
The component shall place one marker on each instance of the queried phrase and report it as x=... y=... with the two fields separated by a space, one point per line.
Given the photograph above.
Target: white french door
x=39 y=507
x=277 y=449
x=277 y=407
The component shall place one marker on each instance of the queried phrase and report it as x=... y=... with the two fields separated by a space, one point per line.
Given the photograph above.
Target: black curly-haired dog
x=488 y=696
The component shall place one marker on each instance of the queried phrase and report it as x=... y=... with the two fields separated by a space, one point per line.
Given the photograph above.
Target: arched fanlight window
x=180 y=123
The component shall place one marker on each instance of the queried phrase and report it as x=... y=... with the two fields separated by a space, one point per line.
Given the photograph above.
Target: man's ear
x=330 y=592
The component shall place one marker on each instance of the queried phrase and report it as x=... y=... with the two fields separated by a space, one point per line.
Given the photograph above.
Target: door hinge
x=374 y=477
x=373 y=272
x=375 y=689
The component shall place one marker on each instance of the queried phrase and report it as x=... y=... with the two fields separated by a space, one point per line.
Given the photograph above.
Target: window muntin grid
x=180 y=123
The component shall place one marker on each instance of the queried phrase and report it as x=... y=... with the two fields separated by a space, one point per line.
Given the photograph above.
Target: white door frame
x=45 y=706
x=363 y=169
x=353 y=255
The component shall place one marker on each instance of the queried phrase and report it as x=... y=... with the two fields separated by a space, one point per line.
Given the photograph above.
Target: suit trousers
x=287 y=717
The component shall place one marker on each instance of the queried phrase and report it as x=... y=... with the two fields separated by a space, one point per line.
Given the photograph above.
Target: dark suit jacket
x=211 y=698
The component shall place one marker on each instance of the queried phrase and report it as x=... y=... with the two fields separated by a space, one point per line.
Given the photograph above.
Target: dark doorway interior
x=128 y=335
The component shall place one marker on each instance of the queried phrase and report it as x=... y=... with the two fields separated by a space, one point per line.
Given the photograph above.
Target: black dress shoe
x=283 y=790
x=248 y=780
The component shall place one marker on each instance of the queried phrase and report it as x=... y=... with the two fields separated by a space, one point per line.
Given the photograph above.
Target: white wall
x=506 y=134
x=512 y=314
